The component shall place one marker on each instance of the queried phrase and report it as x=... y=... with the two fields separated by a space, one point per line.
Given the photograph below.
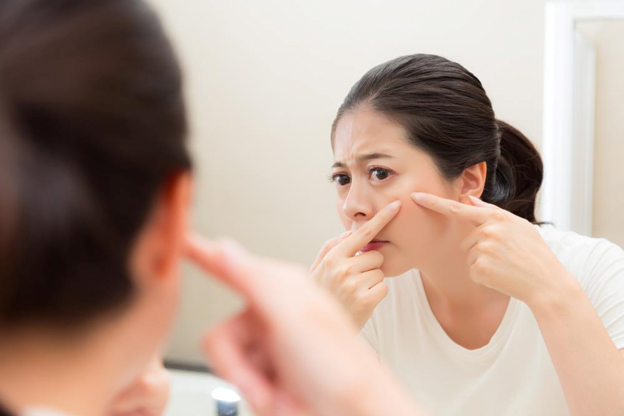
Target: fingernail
x=394 y=206
x=346 y=233
x=476 y=200
x=419 y=196
x=353 y=227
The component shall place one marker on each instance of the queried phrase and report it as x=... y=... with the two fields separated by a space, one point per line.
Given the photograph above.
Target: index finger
x=365 y=234
x=476 y=215
x=213 y=258
x=260 y=281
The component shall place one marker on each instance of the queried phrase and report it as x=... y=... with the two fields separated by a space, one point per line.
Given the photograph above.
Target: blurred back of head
x=92 y=124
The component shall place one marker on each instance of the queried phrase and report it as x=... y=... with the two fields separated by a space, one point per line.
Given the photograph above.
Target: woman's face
x=376 y=165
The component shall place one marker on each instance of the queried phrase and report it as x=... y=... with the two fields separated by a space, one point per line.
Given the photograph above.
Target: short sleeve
x=604 y=286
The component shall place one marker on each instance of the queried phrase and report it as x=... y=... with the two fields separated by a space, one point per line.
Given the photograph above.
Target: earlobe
x=473 y=180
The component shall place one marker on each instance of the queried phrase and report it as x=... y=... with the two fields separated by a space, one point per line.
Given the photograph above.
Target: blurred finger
x=222 y=260
x=270 y=287
x=227 y=348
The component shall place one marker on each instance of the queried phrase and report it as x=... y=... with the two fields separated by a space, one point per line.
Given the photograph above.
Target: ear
x=472 y=181
x=158 y=248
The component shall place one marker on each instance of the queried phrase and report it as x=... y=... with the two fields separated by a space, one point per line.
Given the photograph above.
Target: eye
x=341 y=179
x=379 y=174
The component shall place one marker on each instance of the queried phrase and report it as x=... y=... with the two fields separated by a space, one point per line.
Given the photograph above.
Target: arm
x=506 y=253
x=589 y=366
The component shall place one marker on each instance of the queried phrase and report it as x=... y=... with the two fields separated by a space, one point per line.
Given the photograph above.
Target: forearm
x=589 y=367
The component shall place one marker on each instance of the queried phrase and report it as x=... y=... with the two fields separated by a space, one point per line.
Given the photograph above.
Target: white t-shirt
x=513 y=373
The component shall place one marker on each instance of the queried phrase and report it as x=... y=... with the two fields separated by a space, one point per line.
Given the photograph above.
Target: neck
x=78 y=377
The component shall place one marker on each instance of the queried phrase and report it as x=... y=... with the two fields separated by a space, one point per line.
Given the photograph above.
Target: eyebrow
x=364 y=158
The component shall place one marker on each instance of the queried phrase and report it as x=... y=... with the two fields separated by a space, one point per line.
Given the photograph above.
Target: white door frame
x=568 y=136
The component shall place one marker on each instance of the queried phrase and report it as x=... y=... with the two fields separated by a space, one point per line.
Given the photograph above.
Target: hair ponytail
x=517 y=175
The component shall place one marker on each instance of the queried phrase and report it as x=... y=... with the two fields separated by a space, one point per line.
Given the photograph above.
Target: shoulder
x=584 y=256
x=562 y=240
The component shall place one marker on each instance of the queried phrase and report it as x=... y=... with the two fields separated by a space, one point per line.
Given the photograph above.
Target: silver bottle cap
x=226 y=400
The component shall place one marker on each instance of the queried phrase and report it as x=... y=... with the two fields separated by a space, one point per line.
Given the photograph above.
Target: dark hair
x=446 y=113
x=92 y=126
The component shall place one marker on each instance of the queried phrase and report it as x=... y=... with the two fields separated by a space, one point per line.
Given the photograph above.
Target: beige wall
x=608 y=39
x=264 y=81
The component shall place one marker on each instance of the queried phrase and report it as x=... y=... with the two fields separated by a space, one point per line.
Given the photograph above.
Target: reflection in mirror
x=262 y=106
x=264 y=81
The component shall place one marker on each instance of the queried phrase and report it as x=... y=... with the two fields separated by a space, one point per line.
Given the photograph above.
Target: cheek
x=417 y=225
x=413 y=233
x=415 y=229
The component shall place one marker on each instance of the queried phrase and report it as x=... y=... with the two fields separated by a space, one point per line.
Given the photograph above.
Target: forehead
x=366 y=131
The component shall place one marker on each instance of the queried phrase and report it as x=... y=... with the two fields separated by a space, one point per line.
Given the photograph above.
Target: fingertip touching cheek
x=375 y=165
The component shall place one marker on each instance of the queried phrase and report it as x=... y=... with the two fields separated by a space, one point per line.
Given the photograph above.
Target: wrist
x=564 y=294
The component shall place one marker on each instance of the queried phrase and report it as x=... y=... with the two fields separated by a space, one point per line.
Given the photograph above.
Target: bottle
x=226 y=400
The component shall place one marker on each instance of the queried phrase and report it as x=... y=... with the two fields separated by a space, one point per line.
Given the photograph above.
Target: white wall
x=264 y=79
x=608 y=40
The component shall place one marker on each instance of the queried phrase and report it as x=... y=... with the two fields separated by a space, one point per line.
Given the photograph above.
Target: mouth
x=374 y=245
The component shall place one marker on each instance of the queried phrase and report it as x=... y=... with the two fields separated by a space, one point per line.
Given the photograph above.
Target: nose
x=357 y=206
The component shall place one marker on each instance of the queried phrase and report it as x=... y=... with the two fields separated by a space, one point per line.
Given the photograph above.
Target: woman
x=491 y=313
x=95 y=183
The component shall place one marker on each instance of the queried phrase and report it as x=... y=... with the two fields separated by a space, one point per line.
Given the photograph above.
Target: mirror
x=584 y=57
x=264 y=80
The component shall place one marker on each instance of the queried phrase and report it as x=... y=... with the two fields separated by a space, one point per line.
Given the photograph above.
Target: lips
x=374 y=245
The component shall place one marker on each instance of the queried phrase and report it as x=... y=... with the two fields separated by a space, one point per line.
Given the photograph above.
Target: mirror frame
x=568 y=112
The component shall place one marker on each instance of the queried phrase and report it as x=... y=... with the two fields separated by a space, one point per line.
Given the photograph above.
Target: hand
x=292 y=351
x=147 y=396
x=356 y=281
x=505 y=252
